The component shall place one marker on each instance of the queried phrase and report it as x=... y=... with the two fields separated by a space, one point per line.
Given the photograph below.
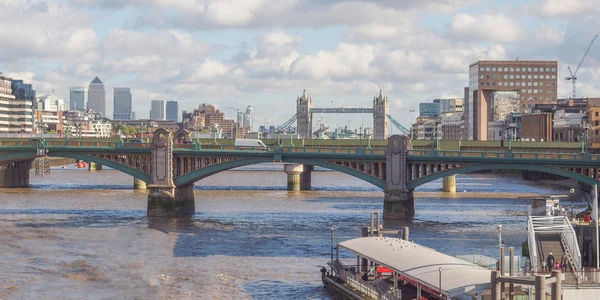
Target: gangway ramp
x=553 y=235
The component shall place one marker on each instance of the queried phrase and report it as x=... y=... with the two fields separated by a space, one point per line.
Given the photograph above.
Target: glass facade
x=172 y=110
x=122 y=104
x=429 y=109
x=77 y=98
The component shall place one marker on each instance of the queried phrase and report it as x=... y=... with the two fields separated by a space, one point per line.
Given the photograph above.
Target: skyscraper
x=172 y=110
x=77 y=98
x=97 y=96
x=122 y=103
x=157 y=111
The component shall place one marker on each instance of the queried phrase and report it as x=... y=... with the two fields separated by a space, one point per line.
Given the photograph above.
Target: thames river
x=84 y=235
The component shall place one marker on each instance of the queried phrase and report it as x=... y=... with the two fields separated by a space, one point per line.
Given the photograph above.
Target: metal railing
x=561 y=226
x=533 y=253
x=514 y=155
x=358 y=284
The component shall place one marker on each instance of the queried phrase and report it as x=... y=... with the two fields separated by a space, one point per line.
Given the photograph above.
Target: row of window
x=516 y=84
x=511 y=76
x=494 y=69
x=530 y=98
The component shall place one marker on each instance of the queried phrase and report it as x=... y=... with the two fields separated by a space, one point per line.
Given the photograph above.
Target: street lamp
x=500 y=247
x=438 y=135
x=571 y=192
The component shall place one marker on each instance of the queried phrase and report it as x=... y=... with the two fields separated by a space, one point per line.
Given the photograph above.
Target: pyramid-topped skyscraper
x=97 y=96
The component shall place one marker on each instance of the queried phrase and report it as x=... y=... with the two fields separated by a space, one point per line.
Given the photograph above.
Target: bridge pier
x=449 y=184
x=92 y=166
x=398 y=202
x=138 y=184
x=170 y=201
x=306 y=178
x=164 y=198
x=293 y=172
x=398 y=205
x=15 y=175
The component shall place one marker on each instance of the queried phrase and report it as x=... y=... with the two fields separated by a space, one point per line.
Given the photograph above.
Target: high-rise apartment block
x=77 y=98
x=172 y=110
x=16 y=115
x=157 y=110
x=97 y=96
x=122 y=103
x=244 y=119
x=531 y=82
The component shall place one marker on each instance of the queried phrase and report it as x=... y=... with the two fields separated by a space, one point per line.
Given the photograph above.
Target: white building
x=16 y=116
x=50 y=103
x=564 y=119
x=158 y=110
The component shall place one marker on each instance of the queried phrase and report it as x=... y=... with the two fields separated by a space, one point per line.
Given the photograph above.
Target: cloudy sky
x=235 y=53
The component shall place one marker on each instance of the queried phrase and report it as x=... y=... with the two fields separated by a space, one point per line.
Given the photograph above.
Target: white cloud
x=346 y=61
x=558 y=8
x=486 y=27
x=546 y=32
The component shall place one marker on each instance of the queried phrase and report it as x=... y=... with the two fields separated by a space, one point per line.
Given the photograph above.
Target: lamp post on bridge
x=360 y=133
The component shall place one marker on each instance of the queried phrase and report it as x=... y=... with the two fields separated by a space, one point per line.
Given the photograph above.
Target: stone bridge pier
x=164 y=198
x=398 y=202
x=15 y=175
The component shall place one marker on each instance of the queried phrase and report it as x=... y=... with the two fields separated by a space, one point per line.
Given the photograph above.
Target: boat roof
x=422 y=264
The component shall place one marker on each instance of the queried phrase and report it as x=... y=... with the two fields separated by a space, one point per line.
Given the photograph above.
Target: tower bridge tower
x=380 y=112
x=304 y=116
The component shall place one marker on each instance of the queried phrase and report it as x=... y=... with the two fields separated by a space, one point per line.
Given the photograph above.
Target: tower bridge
x=170 y=169
x=305 y=111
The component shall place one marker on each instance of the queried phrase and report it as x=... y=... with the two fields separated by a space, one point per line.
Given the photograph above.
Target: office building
x=535 y=82
x=97 y=96
x=157 y=110
x=172 y=111
x=122 y=103
x=450 y=105
x=50 y=103
x=77 y=98
x=429 y=109
x=23 y=91
x=16 y=115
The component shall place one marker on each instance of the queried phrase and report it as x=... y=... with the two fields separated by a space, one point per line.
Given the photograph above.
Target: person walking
x=550 y=261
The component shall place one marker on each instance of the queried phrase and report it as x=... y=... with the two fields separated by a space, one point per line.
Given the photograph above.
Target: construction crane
x=573 y=76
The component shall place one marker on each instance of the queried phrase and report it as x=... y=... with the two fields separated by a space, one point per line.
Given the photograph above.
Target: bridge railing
x=33 y=143
x=514 y=155
x=358 y=151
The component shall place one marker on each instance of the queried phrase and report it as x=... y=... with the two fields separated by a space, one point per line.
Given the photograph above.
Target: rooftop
x=459 y=277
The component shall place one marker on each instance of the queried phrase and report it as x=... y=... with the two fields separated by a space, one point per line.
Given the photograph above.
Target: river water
x=84 y=235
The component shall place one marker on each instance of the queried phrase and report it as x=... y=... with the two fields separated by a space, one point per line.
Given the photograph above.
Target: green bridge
x=170 y=170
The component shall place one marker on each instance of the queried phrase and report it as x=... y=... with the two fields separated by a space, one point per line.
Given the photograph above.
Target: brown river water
x=84 y=235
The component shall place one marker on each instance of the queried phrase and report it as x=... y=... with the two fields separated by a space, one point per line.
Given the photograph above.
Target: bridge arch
x=217 y=168
x=105 y=162
x=468 y=169
x=14 y=157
